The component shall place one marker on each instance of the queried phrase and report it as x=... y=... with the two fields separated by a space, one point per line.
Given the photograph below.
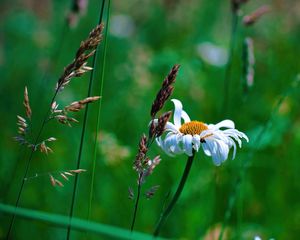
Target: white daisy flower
x=191 y=135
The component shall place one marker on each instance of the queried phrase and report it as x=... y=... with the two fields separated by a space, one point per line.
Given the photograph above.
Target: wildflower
x=191 y=135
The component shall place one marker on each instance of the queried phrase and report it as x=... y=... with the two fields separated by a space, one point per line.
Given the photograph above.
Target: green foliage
x=35 y=46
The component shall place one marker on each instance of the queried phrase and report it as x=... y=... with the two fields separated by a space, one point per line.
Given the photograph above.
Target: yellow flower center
x=192 y=128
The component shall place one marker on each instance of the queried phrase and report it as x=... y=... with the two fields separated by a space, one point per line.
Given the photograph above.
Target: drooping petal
x=171 y=127
x=187 y=143
x=223 y=124
x=196 y=142
x=221 y=153
x=185 y=116
x=177 y=112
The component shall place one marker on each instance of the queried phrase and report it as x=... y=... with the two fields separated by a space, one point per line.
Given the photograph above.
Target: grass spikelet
x=256 y=15
x=52 y=180
x=150 y=193
x=26 y=104
x=64 y=176
x=79 y=64
x=165 y=91
x=78 y=105
x=77 y=170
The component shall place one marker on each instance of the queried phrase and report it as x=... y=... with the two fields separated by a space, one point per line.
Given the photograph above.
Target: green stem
x=99 y=113
x=170 y=207
x=83 y=130
x=227 y=77
x=136 y=202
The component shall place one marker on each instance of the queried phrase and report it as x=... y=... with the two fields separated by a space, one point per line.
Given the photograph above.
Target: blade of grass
x=79 y=224
x=84 y=127
x=227 y=77
x=99 y=111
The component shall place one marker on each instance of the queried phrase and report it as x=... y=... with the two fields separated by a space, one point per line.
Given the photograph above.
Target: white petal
x=221 y=153
x=177 y=112
x=171 y=127
x=225 y=123
x=196 y=142
x=187 y=143
x=185 y=117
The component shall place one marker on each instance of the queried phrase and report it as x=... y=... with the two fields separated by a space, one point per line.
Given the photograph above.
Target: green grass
x=255 y=194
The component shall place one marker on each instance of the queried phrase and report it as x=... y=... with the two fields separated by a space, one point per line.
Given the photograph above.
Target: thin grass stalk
x=99 y=112
x=247 y=162
x=28 y=164
x=56 y=53
x=136 y=202
x=227 y=78
x=84 y=128
x=139 y=189
x=180 y=187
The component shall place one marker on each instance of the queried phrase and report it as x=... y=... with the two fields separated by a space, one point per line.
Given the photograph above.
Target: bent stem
x=170 y=207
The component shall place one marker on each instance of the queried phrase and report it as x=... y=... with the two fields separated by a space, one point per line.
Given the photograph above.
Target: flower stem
x=137 y=201
x=170 y=207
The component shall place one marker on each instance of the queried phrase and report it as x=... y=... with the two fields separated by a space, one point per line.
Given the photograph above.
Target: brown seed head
x=165 y=91
x=162 y=121
x=141 y=155
x=78 y=66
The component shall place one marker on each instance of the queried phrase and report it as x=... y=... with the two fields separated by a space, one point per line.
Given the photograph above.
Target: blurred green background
x=146 y=38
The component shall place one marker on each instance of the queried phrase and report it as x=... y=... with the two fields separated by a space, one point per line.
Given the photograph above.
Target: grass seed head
x=165 y=91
